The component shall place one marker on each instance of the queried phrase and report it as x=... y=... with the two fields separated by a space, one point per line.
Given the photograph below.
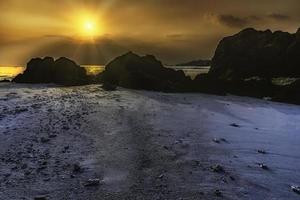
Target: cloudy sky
x=173 y=30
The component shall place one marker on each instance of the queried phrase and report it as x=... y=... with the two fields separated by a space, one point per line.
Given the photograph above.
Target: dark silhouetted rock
x=257 y=53
x=143 y=72
x=250 y=87
x=61 y=71
x=289 y=93
x=109 y=87
x=296 y=189
x=4 y=81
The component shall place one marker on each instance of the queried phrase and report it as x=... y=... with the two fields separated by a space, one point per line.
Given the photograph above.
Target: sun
x=89 y=26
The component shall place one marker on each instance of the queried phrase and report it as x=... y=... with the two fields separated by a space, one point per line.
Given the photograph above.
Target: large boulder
x=257 y=53
x=143 y=72
x=61 y=71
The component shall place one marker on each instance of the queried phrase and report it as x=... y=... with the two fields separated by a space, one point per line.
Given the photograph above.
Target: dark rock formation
x=257 y=53
x=252 y=87
x=5 y=81
x=196 y=63
x=289 y=93
x=146 y=72
x=61 y=71
x=109 y=87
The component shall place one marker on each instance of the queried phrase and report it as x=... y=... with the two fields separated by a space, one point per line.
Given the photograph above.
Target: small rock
x=44 y=140
x=217 y=168
x=234 y=125
x=27 y=173
x=263 y=166
x=295 y=189
x=223 y=140
x=161 y=176
x=261 y=151
x=92 y=182
x=66 y=147
x=40 y=197
x=218 y=193
x=24 y=166
x=52 y=136
x=77 y=168
x=195 y=163
x=216 y=140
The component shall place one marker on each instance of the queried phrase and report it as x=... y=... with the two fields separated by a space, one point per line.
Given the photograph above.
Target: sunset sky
x=95 y=31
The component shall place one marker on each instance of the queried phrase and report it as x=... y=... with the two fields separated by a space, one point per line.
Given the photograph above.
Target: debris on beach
x=235 y=125
x=161 y=176
x=263 y=166
x=92 y=182
x=42 y=197
x=216 y=140
x=77 y=168
x=261 y=151
x=217 y=168
x=296 y=189
x=218 y=193
x=44 y=140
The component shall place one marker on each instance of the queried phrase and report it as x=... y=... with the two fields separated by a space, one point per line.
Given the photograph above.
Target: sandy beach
x=144 y=145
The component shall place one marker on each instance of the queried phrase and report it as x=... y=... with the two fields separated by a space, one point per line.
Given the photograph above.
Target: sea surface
x=8 y=73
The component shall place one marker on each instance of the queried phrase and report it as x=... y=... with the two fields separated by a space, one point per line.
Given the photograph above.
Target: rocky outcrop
x=143 y=72
x=257 y=53
x=61 y=71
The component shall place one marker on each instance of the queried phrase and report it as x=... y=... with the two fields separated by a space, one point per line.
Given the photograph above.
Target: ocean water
x=9 y=73
x=192 y=71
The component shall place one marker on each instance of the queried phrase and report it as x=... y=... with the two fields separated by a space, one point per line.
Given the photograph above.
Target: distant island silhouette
x=200 y=62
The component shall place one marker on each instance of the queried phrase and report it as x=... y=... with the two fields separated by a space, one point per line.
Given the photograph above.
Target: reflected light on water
x=93 y=69
x=10 y=72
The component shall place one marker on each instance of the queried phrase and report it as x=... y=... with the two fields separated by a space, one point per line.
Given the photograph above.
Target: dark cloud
x=252 y=20
x=233 y=21
x=280 y=17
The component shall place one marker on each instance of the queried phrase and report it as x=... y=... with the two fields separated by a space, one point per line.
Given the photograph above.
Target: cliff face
x=257 y=53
